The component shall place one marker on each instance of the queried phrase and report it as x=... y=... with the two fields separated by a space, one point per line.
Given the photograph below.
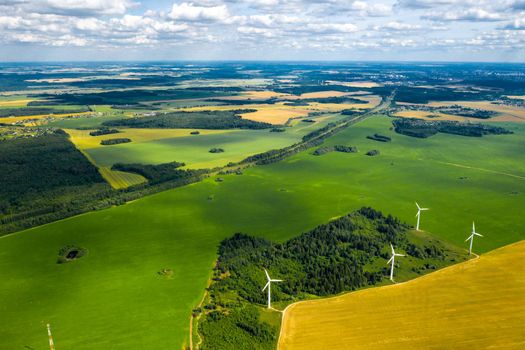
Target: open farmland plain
x=475 y=304
x=180 y=229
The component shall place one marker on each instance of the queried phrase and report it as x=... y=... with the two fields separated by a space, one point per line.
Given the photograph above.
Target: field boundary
x=470 y=261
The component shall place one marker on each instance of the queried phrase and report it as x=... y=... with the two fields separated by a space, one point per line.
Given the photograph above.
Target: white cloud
x=190 y=12
x=83 y=7
x=472 y=14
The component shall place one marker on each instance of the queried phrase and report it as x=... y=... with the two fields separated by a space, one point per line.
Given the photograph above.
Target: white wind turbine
x=392 y=260
x=471 y=237
x=418 y=215
x=268 y=285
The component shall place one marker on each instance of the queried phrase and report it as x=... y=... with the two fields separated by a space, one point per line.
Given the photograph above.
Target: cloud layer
x=266 y=29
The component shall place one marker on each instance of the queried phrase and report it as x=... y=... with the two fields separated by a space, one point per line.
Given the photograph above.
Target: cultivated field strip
x=476 y=304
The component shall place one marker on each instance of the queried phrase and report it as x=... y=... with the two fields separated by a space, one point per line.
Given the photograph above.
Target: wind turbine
x=392 y=260
x=418 y=215
x=471 y=237
x=268 y=285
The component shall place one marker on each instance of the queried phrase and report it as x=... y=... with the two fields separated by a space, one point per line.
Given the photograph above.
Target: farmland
x=180 y=230
x=155 y=146
x=461 y=311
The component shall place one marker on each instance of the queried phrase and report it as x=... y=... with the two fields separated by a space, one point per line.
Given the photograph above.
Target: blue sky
x=428 y=30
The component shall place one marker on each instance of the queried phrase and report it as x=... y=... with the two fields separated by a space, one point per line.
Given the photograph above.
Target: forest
x=422 y=128
x=158 y=173
x=343 y=255
x=193 y=120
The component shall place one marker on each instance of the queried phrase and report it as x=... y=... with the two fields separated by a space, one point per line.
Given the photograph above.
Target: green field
x=194 y=149
x=114 y=298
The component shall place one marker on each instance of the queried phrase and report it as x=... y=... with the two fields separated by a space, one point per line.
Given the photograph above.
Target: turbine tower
x=392 y=260
x=268 y=285
x=471 y=237
x=51 y=344
x=418 y=215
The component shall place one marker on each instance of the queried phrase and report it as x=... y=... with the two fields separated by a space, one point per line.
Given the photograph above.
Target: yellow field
x=15 y=103
x=120 y=179
x=279 y=113
x=266 y=94
x=425 y=115
x=34 y=119
x=507 y=113
x=478 y=304
x=83 y=140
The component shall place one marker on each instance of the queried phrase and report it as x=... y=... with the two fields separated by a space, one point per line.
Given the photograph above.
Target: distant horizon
x=266 y=61
x=260 y=30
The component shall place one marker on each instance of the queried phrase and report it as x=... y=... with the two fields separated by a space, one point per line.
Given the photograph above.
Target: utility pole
x=51 y=344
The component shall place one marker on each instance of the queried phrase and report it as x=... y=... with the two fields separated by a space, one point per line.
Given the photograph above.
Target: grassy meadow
x=114 y=297
x=465 y=306
x=155 y=146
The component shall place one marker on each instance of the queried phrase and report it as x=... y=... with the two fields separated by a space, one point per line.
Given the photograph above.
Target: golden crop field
x=83 y=140
x=427 y=116
x=120 y=179
x=507 y=113
x=279 y=113
x=478 y=304
x=15 y=102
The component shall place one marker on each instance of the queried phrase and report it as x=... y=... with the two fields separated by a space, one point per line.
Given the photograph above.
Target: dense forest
x=193 y=120
x=41 y=175
x=28 y=111
x=159 y=173
x=423 y=128
x=343 y=255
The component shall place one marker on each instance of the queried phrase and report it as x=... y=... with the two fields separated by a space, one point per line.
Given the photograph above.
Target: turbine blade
x=266 y=286
x=469 y=237
x=477 y=234
x=418 y=207
x=473 y=227
x=400 y=254
x=425 y=208
x=267 y=275
x=392 y=247
x=389 y=261
x=276 y=280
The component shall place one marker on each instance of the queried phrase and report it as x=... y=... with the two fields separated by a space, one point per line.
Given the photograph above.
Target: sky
x=293 y=30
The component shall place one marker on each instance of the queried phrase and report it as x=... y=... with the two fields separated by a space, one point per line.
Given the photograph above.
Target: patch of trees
x=425 y=95
x=104 y=131
x=336 y=148
x=379 y=137
x=193 y=120
x=115 y=141
x=157 y=173
x=372 y=153
x=242 y=328
x=308 y=120
x=29 y=111
x=196 y=132
x=216 y=150
x=69 y=253
x=277 y=130
x=343 y=255
x=130 y=97
x=422 y=128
